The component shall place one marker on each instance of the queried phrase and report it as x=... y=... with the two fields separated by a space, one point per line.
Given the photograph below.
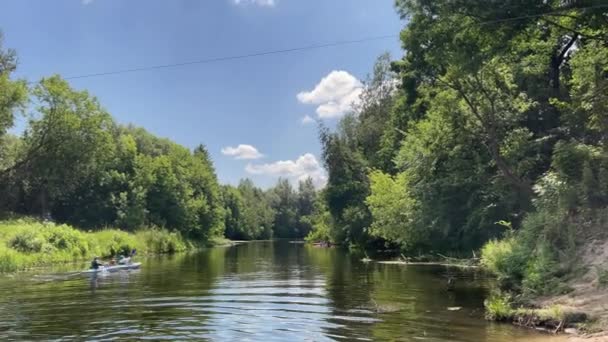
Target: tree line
x=74 y=164
x=280 y=212
x=489 y=131
x=493 y=125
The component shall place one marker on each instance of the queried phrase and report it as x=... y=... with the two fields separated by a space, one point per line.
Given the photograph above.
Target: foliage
x=28 y=243
x=258 y=214
x=281 y=211
x=321 y=223
x=501 y=257
x=76 y=165
x=161 y=241
x=307 y=198
x=393 y=210
x=283 y=202
x=498 y=116
x=498 y=308
x=248 y=214
x=13 y=94
x=493 y=115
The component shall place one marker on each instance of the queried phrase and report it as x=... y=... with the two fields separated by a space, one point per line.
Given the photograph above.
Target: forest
x=488 y=135
x=74 y=164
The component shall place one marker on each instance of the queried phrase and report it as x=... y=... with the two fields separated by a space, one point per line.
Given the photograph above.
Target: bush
x=539 y=276
x=498 y=308
x=504 y=258
x=319 y=233
x=9 y=260
x=28 y=243
x=112 y=242
x=66 y=238
x=161 y=241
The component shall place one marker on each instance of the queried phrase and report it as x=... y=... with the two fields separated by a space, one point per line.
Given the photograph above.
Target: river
x=260 y=291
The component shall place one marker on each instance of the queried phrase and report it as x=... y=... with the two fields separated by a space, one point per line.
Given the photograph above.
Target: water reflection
x=256 y=291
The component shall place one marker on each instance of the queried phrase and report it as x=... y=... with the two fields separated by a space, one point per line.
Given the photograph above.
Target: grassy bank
x=28 y=243
x=554 y=318
x=549 y=279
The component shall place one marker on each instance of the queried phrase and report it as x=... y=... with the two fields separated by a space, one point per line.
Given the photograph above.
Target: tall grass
x=498 y=308
x=26 y=243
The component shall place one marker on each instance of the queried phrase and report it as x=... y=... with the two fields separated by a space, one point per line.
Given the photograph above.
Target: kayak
x=114 y=268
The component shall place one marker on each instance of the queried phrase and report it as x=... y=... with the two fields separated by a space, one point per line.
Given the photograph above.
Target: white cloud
x=334 y=95
x=305 y=166
x=242 y=152
x=307 y=119
x=261 y=3
x=86 y=2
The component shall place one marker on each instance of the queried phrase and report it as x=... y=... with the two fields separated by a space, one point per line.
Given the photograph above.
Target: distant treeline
x=74 y=164
x=280 y=212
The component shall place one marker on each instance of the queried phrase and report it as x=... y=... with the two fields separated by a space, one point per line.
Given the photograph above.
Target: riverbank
x=27 y=243
x=588 y=289
x=407 y=303
x=576 y=300
x=579 y=312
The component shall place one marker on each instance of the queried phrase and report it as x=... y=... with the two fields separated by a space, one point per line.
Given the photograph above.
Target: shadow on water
x=257 y=291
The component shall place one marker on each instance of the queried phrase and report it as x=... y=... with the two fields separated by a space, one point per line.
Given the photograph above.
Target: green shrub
x=27 y=241
x=319 y=233
x=498 y=308
x=539 y=277
x=554 y=312
x=9 y=260
x=504 y=258
x=112 y=242
x=161 y=241
x=68 y=239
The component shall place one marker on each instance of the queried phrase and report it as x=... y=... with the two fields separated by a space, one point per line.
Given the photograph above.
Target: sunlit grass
x=498 y=308
x=26 y=243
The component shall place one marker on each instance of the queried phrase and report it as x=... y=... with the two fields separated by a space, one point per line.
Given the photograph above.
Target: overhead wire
x=304 y=48
x=234 y=57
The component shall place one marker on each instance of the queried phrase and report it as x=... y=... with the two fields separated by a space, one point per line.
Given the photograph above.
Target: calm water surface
x=269 y=291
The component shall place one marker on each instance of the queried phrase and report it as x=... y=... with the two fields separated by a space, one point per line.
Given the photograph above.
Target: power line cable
x=309 y=47
x=235 y=57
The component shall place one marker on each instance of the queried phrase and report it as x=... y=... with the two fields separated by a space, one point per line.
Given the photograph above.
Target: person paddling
x=95 y=264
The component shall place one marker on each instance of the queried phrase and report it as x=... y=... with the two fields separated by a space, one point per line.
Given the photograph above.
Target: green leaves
x=75 y=164
x=13 y=94
x=394 y=210
x=590 y=87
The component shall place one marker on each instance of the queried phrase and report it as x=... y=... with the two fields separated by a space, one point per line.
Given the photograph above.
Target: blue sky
x=258 y=103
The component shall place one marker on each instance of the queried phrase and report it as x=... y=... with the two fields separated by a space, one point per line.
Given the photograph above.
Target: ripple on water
x=250 y=292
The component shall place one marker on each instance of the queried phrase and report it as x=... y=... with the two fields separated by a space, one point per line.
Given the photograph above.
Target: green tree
x=305 y=207
x=258 y=214
x=233 y=212
x=13 y=94
x=394 y=211
x=283 y=200
x=65 y=145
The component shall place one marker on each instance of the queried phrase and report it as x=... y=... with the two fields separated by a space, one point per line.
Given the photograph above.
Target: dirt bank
x=589 y=291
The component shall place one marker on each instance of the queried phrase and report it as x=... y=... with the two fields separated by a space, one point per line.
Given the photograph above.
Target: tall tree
x=65 y=145
x=258 y=214
x=13 y=94
x=307 y=196
x=283 y=201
